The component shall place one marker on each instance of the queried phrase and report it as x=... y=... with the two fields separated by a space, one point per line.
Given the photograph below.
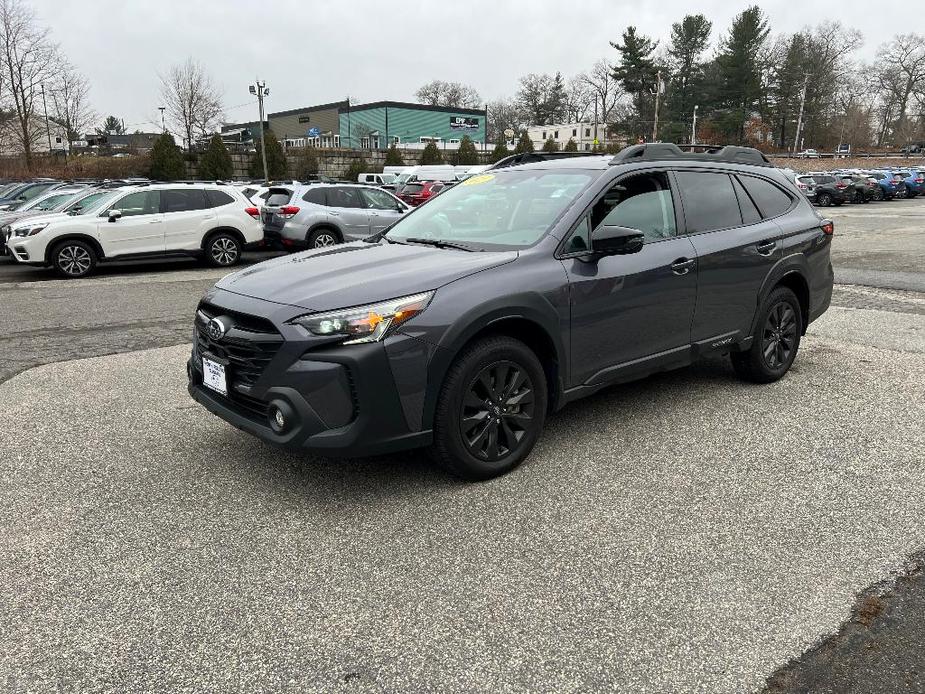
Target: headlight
x=366 y=323
x=29 y=231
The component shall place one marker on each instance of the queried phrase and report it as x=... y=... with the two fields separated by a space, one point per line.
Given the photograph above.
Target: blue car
x=887 y=187
x=914 y=181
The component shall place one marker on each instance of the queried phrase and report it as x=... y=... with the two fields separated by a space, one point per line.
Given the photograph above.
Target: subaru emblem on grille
x=217 y=329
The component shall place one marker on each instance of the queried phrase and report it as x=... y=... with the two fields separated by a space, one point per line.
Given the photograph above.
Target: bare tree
x=452 y=94
x=503 y=114
x=604 y=88
x=904 y=81
x=193 y=101
x=29 y=59
x=579 y=98
x=70 y=103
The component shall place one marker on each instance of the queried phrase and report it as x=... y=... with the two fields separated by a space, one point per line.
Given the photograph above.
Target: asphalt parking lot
x=685 y=533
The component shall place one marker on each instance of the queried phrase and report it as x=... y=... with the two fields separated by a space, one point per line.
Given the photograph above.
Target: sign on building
x=463 y=123
x=305 y=119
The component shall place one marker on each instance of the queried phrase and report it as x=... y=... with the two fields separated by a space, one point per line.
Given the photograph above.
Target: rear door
x=348 y=208
x=140 y=229
x=729 y=219
x=187 y=217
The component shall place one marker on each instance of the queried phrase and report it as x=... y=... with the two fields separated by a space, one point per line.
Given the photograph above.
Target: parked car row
x=836 y=187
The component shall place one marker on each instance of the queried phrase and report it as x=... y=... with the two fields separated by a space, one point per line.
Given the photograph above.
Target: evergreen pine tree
x=499 y=152
x=524 y=144
x=550 y=145
x=393 y=157
x=216 y=163
x=570 y=146
x=431 y=154
x=306 y=164
x=637 y=74
x=357 y=167
x=739 y=70
x=166 y=160
x=277 y=167
x=467 y=153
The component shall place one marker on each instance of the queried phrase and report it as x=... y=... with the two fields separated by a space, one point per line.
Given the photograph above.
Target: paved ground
x=710 y=536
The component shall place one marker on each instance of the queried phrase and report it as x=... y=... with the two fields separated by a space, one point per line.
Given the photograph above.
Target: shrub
x=357 y=166
x=166 y=160
x=306 y=164
x=524 y=144
x=570 y=146
x=467 y=153
x=215 y=163
x=393 y=157
x=550 y=145
x=431 y=154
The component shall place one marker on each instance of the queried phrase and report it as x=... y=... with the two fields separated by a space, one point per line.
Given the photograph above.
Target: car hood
x=38 y=219
x=357 y=273
x=12 y=217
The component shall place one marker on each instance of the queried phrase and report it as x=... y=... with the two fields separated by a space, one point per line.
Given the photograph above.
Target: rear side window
x=314 y=196
x=277 y=197
x=770 y=199
x=184 y=200
x=750 y=213
x=710 y=201
x=345 y=197
x=824 y=180
x=217 y=198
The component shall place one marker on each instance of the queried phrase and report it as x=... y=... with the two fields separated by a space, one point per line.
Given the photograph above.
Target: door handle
x=682 y=266
x=766 y=247
x=333 y=214
x=154 y=221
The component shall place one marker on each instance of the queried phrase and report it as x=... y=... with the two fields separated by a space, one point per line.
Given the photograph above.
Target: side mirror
x=400 y=207
x=114 y=215
x=616 y=240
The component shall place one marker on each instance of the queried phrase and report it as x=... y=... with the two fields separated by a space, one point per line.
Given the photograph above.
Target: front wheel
x=74 y=259
x=223 y=250
x=823 y=199
x=491 y=409
x=775 y=341
x=878 y=194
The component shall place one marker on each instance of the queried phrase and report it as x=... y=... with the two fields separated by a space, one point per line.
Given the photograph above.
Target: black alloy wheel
x=497 y=411
x=780 y=333
x=824 y=199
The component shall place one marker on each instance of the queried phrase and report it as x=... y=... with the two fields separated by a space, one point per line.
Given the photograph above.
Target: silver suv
x=324 y=214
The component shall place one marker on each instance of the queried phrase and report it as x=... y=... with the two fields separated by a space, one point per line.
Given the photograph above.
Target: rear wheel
x=73 y=259
x=823 y=199
x=491 y=409
x=223 y=250
x=322 y=238
x=775 y=341
x=878 y=194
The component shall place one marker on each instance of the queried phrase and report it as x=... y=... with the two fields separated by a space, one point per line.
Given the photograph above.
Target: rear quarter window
x=770 y=200
x=217 y=198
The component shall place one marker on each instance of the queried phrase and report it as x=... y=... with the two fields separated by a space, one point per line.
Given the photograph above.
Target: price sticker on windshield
x=476 y=180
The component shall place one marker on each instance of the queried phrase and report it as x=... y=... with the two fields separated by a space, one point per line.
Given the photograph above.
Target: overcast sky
x=316 y=51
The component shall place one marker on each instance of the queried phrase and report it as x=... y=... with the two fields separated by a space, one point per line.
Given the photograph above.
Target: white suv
x=210 y=221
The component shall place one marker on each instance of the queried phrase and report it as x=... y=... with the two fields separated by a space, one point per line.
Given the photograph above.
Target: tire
x=878 y=194
x=823 y=199
x=73 y=259
x=481 y=429
x=775 y=341
x=223 y=250
x=322 y=238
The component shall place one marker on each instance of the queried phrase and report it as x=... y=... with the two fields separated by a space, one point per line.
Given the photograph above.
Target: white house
x=11 y=136
x=584 y=134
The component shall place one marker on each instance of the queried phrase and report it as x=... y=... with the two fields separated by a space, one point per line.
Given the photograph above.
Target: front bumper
x=336 y=400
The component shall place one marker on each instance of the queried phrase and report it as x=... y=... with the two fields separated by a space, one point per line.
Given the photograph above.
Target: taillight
x=802 y=186
x=920 y=180
x=288 y=211
x=828 y=227
x=253 y=212
x=841 y=185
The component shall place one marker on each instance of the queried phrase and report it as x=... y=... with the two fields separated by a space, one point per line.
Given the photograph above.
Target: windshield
x=496 y=211
x=51 y=201
x=91 y=202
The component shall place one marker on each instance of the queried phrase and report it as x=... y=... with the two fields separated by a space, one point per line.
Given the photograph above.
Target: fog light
x=281 y=416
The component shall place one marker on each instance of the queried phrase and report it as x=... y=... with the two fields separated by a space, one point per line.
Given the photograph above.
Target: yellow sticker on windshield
x=476 y=180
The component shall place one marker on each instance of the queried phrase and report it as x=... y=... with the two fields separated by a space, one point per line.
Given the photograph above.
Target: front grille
x=249 y=345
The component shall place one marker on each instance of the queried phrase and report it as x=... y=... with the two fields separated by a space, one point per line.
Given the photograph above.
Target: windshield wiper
x=440 y=243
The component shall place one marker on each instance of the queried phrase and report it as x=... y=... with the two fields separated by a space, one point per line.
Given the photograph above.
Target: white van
x=444 y=173
x=377 y=179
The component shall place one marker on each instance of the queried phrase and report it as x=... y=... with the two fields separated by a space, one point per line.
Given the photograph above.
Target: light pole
x=658 y=94
x=47 y=129
x=261 y=90
x=694 y=127
x=796 y=139
x=163 y=122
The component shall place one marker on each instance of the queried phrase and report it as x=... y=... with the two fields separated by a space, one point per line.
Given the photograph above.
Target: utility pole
x=163 y=122
x=694 y=127
x=658 y=94
x=260 y=90
x=47 y=129
x=796 y=139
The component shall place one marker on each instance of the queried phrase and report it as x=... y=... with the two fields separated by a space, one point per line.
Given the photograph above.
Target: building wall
x=583 y=134
x=407 y=124
x=289 y=126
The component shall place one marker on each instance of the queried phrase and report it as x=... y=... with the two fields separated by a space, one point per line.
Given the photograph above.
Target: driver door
x=384 y=210
x=140 y=229
x=631 y=314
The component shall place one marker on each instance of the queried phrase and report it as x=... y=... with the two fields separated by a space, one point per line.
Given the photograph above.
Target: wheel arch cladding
x=218 y=230
x=89 y=240
x=796 y=283
x=519 y=327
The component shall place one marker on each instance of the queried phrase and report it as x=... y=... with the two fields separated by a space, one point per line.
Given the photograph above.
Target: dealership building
x=373 y=126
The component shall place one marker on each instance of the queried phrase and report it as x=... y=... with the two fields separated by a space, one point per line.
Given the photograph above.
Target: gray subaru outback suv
x=475 y=316
x=323 y=214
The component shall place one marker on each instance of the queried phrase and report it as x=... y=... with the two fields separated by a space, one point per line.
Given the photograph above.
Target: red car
x=420 y=192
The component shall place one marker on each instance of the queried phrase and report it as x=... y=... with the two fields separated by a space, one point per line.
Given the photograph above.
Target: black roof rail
x=660 y=151
x=531 y=157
